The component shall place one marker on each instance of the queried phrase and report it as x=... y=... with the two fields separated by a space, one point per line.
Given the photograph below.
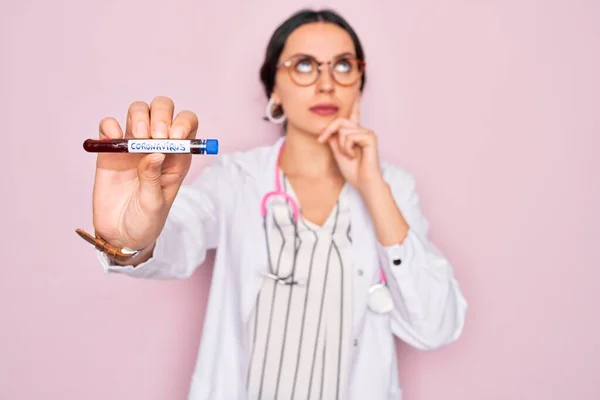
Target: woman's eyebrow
x=348 y=53
x=300 y=54
x=344 y=54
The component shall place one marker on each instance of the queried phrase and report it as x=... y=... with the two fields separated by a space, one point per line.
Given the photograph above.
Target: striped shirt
x=298 y=335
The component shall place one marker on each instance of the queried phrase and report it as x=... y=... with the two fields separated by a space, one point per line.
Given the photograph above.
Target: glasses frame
x=287 y=64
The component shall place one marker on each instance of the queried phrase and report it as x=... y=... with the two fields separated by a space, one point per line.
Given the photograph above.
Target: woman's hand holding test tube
x=133 y=193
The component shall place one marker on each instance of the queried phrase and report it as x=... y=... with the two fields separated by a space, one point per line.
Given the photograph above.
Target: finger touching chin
x=311 y=123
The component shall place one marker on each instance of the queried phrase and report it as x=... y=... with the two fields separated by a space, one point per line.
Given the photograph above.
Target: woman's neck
x=304 y=156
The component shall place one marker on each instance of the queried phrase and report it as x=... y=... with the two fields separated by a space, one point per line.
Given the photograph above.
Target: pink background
x=493 y=105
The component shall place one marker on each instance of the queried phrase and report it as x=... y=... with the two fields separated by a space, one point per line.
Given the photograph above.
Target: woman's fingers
x=109 y=128
x=161 y=116
x=184 y=126
x=138 y=121
x=333 y=127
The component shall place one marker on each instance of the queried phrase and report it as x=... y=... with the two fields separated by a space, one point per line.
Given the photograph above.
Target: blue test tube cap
x=212 y=146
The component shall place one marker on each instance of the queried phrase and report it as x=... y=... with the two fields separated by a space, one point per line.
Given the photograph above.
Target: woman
x=311 y=284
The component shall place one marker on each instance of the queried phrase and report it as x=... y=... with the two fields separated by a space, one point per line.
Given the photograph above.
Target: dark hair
x=279 y=38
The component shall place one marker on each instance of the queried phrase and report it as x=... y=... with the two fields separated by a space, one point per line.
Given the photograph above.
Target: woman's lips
x=324 y=109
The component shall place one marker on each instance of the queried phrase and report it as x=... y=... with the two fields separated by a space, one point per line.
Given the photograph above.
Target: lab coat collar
x=267 y=172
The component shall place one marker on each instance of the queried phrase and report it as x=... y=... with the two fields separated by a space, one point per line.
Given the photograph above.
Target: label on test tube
x=158 y=146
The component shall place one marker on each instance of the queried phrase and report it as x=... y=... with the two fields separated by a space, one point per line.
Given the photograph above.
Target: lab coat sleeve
x=429 y=307
x=191 y=228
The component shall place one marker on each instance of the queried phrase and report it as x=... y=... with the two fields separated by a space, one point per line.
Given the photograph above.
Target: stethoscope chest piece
x=380 y=299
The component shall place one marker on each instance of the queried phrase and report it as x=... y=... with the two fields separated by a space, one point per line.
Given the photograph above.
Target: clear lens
x=304 y=71
x=346 y=71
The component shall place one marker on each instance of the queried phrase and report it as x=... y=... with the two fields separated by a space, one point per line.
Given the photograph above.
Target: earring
x=270 y=116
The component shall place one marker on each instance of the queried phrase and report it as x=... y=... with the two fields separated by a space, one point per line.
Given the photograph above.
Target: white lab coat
x=221 y=209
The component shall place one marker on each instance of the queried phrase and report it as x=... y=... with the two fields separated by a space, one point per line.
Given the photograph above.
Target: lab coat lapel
x=364 y=248
x=254 y=255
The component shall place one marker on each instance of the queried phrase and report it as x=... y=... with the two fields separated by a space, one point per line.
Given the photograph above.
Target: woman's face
x=311 y=100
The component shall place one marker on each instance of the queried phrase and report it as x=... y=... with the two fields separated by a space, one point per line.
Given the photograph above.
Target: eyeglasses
x=304 y=70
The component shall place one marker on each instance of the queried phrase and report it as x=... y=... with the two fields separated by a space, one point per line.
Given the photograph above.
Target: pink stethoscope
x=380 y=299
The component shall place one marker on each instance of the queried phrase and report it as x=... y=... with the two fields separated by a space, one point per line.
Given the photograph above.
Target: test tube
x=177 y=146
